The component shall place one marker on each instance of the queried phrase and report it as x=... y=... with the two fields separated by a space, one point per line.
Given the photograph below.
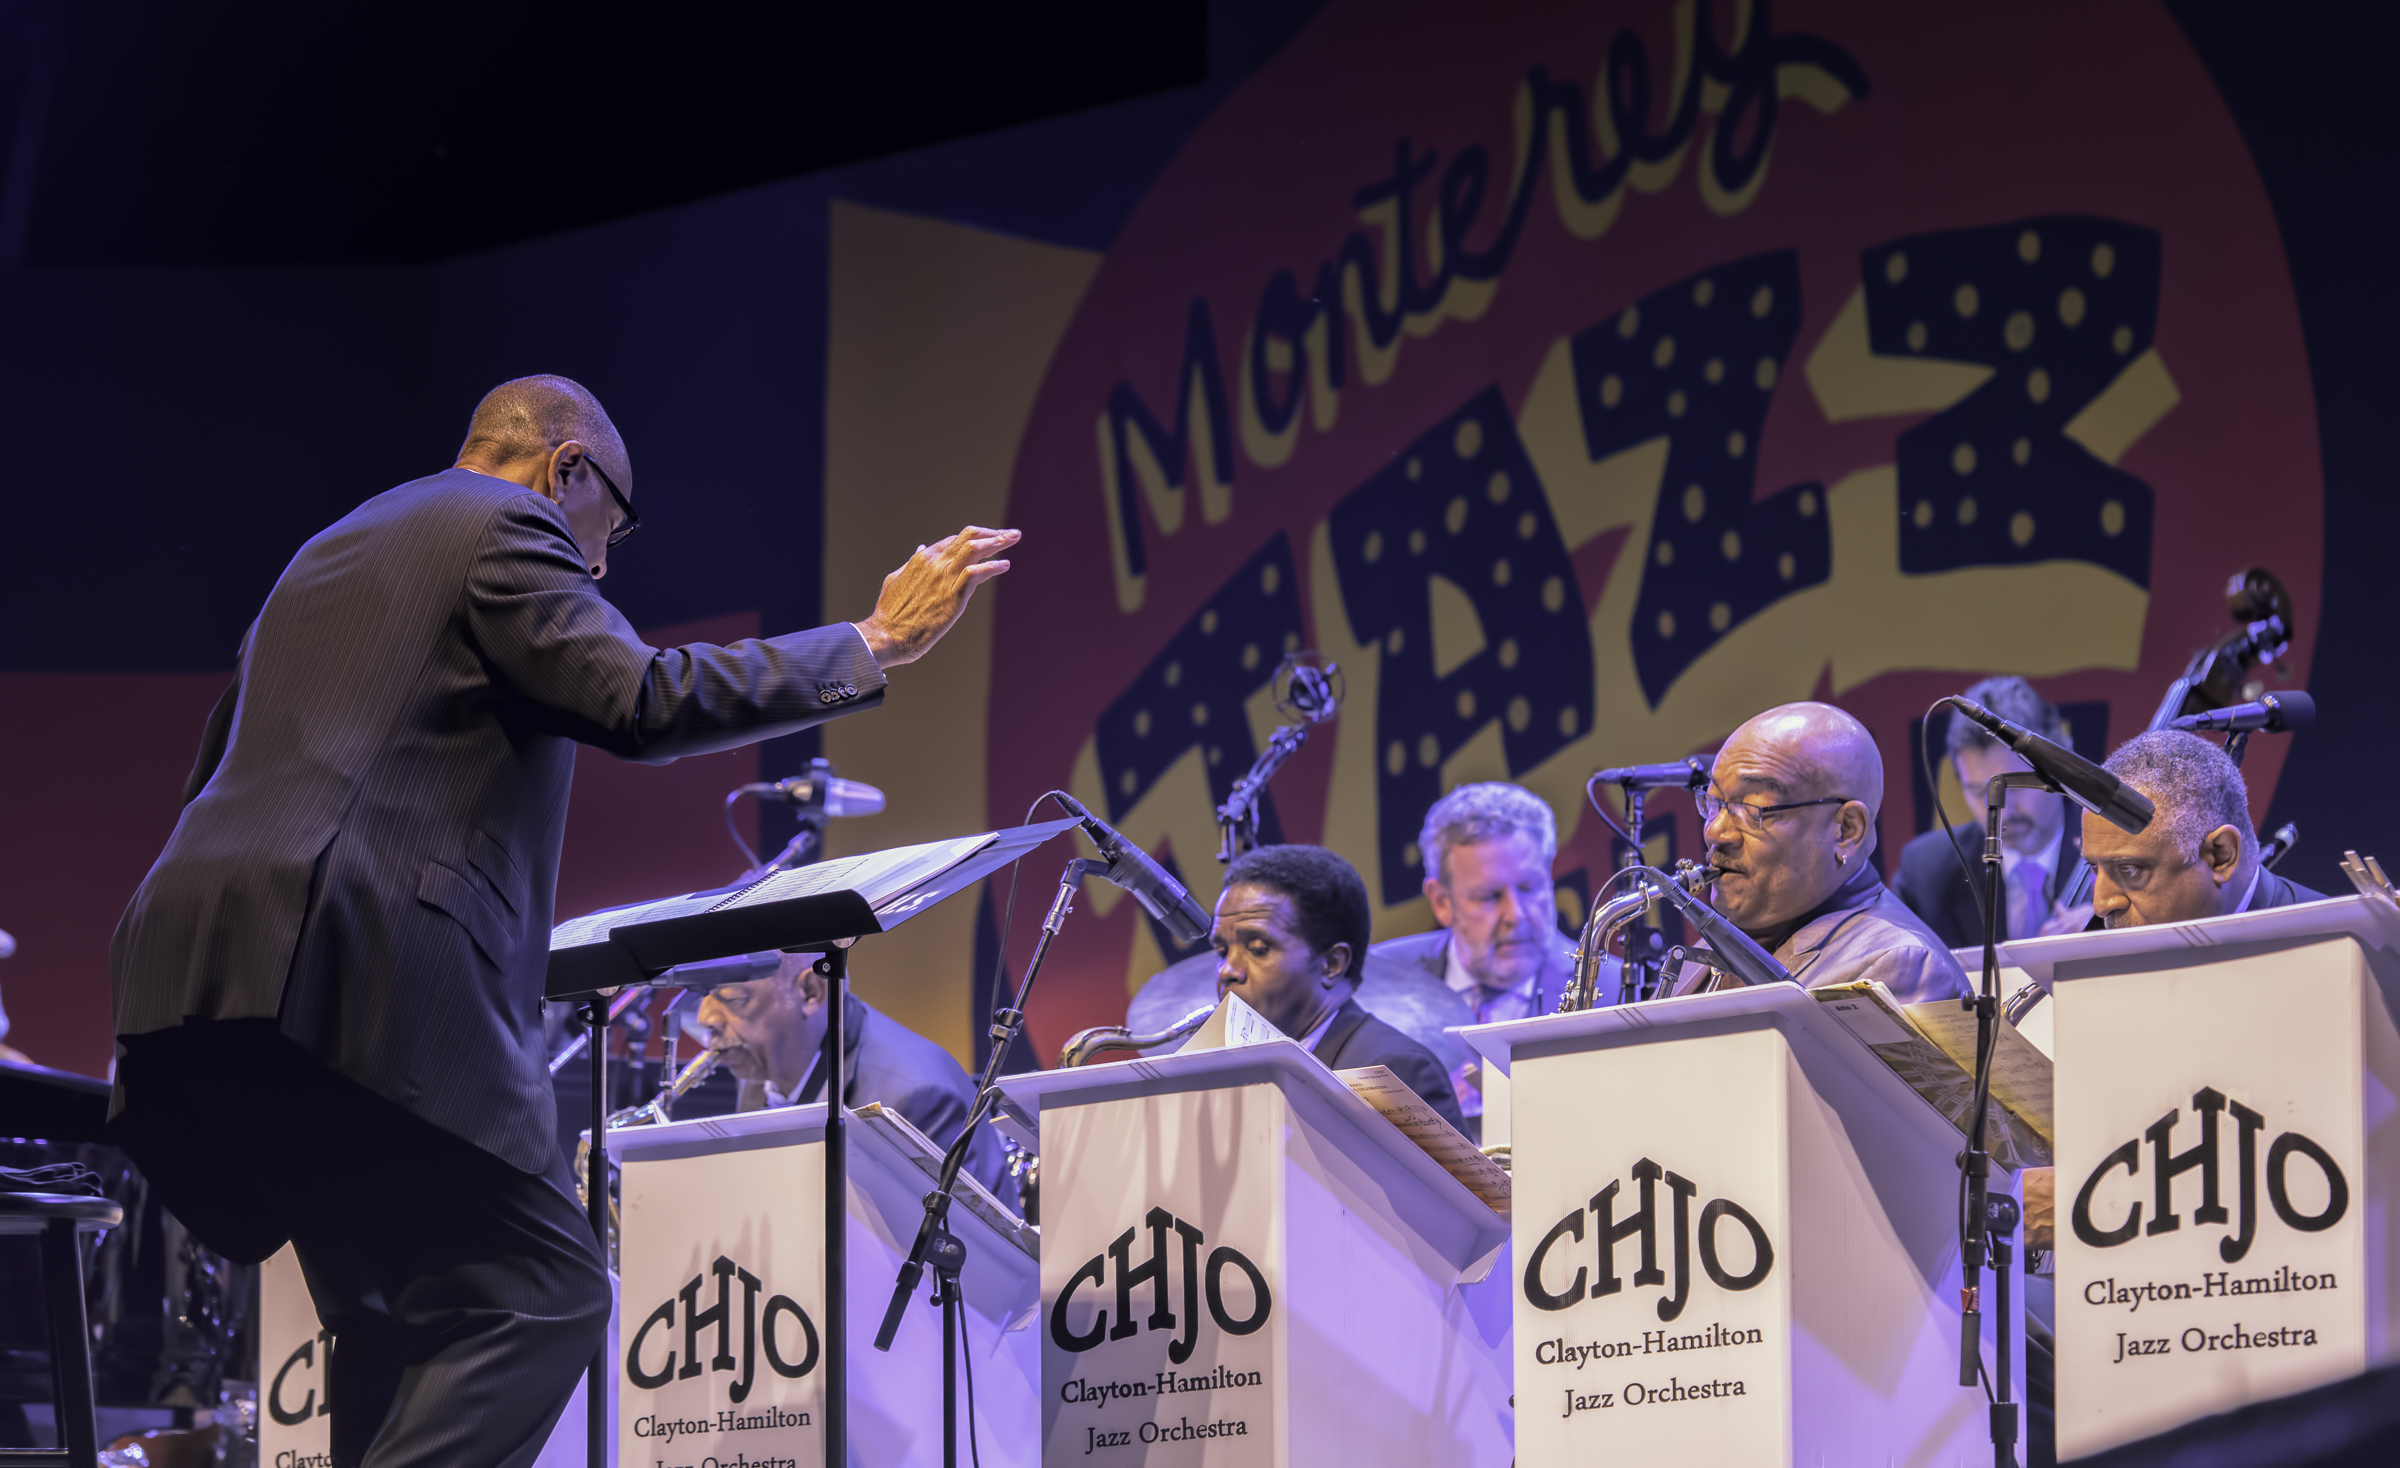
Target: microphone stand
x=1989 y=1220
x=948 y=1258
x=1633 y=974
x=1005 y=1024
x=807 y=843
x=1237 y=818
x=598 y=1014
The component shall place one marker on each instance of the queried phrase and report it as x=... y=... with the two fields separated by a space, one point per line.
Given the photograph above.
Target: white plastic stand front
x=723 y=1265
x=295 y=1404
x=1243 y=1263
x=1736 y=1235
x=2228 y=1161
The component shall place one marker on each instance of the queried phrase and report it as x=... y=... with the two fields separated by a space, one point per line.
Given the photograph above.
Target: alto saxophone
x=653 y=1112
x=1610 y=919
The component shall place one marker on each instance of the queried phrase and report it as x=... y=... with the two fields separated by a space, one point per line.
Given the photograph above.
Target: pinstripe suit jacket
x=373 y=859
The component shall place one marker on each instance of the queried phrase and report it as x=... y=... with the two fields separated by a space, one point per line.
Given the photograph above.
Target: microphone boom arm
x=1237 y=818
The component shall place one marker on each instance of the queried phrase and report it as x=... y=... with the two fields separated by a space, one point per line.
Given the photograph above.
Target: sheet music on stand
x=1236 y=1024
x=844 y=897
x=1932 y=1048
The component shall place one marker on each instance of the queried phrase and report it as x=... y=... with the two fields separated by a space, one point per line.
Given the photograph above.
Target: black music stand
x=636 y=952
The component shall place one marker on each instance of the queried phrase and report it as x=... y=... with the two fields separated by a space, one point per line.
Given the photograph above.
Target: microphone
x=2085 y=783
x=1311 y=694
x=1130 y=867
x=1750 y=963
x=842 y=797
x=2272 y=714
x=1685 y=774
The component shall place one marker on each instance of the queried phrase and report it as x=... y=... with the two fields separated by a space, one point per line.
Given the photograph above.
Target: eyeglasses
x=1751 y=818
x=631 y=521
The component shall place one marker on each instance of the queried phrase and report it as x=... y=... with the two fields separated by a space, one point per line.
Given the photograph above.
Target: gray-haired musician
x=2199 y=855
x=770 y=1032
x=1488 y=849
x=1789 y=814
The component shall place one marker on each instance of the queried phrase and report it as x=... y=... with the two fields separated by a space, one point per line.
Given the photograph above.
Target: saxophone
x=1610 y=919
x=653 y=1112
x=1086 y=1047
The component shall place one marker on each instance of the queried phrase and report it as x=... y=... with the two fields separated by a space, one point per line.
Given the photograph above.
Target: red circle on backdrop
x=1987 y=123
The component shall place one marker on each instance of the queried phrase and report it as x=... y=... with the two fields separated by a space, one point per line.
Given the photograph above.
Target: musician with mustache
x=1789 y=816
x=2199 y=856
x=770 y=1032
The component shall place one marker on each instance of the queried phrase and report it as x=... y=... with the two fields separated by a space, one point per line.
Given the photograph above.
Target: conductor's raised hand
x=925 y=597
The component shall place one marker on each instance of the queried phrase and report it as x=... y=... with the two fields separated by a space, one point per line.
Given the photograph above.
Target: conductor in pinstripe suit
x=328 y=987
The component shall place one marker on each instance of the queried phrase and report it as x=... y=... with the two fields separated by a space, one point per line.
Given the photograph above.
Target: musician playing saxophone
x=1789 y=816
x=770 y=1032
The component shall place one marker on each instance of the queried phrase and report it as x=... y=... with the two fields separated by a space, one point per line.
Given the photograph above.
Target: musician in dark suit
x=2041 y=849
x=328 y=986
x=770 y=1032
x=1291 y=936
x=2198 y=857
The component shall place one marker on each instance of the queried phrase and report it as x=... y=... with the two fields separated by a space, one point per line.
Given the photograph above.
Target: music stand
x=633 y=946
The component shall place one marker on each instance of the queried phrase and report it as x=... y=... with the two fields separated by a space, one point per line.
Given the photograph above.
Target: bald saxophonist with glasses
x=1789 y=817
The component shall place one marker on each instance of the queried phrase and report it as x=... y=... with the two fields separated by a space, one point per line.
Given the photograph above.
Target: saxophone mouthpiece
x=1695 y=877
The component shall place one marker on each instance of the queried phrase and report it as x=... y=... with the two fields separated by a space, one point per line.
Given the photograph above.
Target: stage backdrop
x=1580 y=379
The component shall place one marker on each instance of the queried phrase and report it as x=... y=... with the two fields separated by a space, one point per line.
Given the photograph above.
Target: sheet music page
x=2020 y=1072
x=878 y=876
x=1234 y=1024
x=595 y=927
x=1421 y=1124
x=1870 y=1012
x=971 y=1192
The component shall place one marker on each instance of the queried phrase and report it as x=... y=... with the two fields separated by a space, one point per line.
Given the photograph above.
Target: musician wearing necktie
x=1488 y=849
x=2041 y=849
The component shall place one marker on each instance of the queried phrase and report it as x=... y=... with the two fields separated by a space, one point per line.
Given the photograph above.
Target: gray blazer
x=1428 y=955
x=372 y=852
x=1863 y=931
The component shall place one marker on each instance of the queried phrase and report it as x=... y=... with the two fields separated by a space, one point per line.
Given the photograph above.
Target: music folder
x=804 y=907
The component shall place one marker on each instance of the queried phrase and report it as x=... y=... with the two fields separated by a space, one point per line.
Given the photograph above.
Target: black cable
x=749 y=857
x=1966 y=869
x=1008 y=918
x=1591 y=792
x=966 y=1358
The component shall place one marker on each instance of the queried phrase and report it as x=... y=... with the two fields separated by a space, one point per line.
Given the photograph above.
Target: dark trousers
x=465 y=1297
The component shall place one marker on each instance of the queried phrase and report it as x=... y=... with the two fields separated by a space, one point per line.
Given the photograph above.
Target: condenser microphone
x=842 y=797
x=1311 y=693
x=2272 y=714
x=1131 y=868
x=1685 y=774
x=2085 y=783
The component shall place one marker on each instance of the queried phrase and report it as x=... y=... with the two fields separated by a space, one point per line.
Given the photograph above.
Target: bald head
x=1821 y=764
x=1826 y=752
x=529 y=417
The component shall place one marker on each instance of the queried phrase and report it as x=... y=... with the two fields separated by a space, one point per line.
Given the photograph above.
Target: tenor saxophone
x=1085 y=1047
